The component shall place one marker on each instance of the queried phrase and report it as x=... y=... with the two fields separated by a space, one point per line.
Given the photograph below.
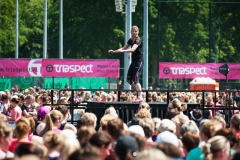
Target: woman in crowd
x=53 y=122
x=217 y=148
x=235 y=124
x=179 y=120
x=87 y=119
x=24 y=150
x=14 y=111
x=102 y=141
x=22 y=132
x=44 y=100
x=84 y=134
x=209 y=128
x=126 y=147
x=190 y=141
x=115 y=128
x=148 y=127
x=6 y=135
x=70 y=144
x=53 y=141
x=179 y=106
x=28 y=108
x=41 y=120
x=4 y=104
x=31 y=137
x=65 y=112
x=232 y=138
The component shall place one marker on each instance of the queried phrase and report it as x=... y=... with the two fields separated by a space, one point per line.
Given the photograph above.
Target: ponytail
x=206 y=150
x=49 y=125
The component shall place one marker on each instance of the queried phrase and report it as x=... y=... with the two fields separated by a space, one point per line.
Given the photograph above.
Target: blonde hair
x=148 y=126
x=210 y=127
x=52 y=140
x=69 y=146
x=5 y=129
x=50 y=120
x=214 y=145
x=88 y=119
x=143 y=113
x=180 y=119
x=152 y=153
x=178 y=105
x=220 y=119
x=134 y=27
x=109 y=98
x=3 y=117
x=105 y=119
x=32 y=124
x=111 y=111
x=156 y=122
x=144 y=105
x=235 y=121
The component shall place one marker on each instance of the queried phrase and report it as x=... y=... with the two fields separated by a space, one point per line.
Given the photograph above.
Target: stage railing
x=127 y=110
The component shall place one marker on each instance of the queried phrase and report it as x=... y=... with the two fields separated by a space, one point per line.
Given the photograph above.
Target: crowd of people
x=33 y=128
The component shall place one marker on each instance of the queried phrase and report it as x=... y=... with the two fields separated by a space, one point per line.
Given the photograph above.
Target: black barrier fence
x=127 y=110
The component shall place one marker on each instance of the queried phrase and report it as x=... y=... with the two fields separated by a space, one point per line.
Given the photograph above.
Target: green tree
x=7 y=28
x=30 y=28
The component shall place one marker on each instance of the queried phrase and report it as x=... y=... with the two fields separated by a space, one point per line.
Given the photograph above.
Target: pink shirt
x=17 y=116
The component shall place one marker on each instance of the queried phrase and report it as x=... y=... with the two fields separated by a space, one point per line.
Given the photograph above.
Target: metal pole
x=16 y=52
x=45 y=31
x=145 y=44
x=127 y=56
x=210 y=32
x=158 y=38
x=61 y=30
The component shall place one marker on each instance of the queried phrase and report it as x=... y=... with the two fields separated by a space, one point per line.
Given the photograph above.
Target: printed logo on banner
x=49 y=68
x=56 y=68
x=35 y=65
x=166 y=70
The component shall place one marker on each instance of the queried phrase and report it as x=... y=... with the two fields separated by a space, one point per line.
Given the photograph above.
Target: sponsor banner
x=59 y=68
x=174 y=70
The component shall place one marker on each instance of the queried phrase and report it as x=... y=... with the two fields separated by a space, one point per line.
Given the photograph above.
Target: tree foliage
x=180 y=32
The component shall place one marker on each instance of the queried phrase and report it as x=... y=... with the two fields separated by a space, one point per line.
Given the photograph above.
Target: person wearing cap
x=41 y=120
x=126 y=147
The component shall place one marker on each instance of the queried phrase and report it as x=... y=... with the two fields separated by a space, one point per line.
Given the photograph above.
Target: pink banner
x=174 y=70
x=59 y=68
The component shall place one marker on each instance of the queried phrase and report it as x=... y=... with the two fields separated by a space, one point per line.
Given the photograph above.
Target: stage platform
x=127 y=110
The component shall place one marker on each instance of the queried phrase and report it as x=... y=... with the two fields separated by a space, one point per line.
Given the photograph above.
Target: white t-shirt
x=4 y=155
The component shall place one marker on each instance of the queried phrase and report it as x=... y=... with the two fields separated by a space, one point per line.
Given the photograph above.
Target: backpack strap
x=62 y=126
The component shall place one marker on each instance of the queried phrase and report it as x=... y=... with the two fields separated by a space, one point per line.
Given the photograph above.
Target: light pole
x=61 y=29
x=129 y=8
x=145 y=45
x=45 y=31
x=16 y=52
